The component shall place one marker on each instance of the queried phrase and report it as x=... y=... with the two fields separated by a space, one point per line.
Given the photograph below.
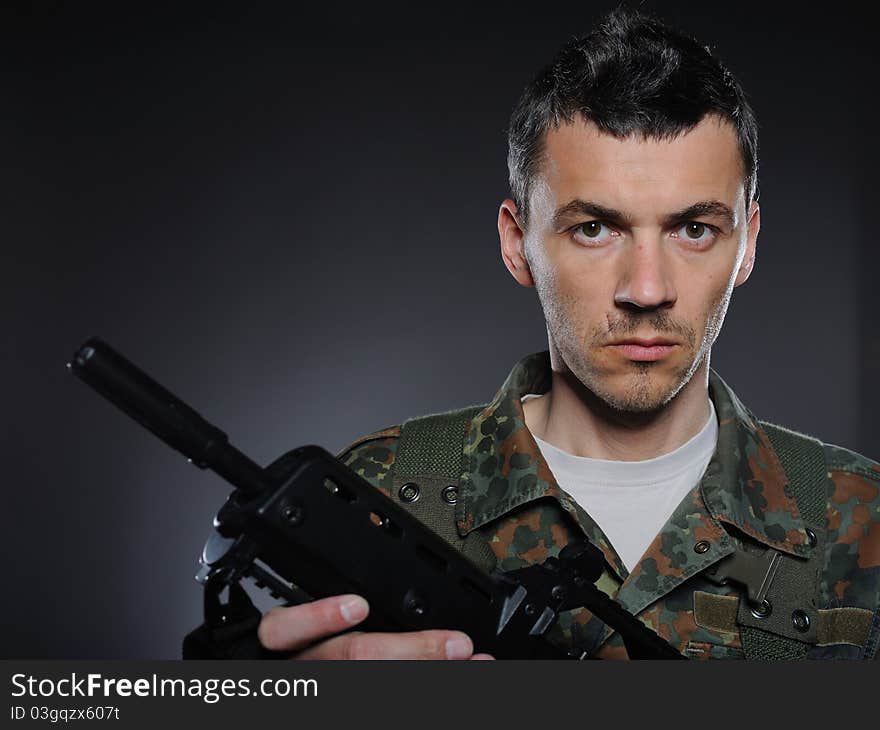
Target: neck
x=572 y=418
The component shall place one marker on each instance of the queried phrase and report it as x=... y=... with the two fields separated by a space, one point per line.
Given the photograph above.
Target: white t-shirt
x=631 y=500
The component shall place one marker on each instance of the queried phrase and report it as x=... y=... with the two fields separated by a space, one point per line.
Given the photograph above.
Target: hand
x=298 y=628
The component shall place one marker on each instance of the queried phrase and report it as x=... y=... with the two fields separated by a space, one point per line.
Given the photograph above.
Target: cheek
x=707 y=290
x=582 y=278
x=717 y=298
x=580 y=296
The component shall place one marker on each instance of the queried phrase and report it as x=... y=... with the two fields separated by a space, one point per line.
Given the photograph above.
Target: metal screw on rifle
x=558 y=593
x=529 y=609
x=294 y=515
x=415 y=604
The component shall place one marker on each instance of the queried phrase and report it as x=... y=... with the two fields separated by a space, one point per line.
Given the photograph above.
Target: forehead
x=637 y=174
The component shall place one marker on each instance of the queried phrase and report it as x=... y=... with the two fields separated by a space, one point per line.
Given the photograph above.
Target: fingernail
x=354 y=609
x=458 y=648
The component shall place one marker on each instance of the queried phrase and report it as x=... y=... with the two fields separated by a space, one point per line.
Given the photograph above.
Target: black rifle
x=322 y=529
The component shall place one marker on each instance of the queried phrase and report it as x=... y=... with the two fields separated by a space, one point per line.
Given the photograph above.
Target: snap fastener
x=450 y=494
x=701 y=547
x=409 y=492
x=811 y=537
x=800 y=620
x=763 y=610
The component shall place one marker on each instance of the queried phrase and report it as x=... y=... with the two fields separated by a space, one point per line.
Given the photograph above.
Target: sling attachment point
x=753 y=571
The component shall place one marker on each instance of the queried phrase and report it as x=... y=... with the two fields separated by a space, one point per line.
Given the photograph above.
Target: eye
x=698 y=233
x=592 y=233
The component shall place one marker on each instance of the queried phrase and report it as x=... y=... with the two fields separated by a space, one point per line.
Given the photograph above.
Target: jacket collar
x=743 y=486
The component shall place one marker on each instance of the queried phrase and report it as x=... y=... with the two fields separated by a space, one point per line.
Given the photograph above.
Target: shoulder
x=425 y=439
x=854 y=495
x=847 y=469
x=852 y=571
x=854 y=502
x=372 y=456
x=855 y=485
x=847 y=461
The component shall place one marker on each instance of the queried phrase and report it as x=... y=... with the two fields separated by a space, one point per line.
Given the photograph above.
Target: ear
x=748 y=262
x=512 y=238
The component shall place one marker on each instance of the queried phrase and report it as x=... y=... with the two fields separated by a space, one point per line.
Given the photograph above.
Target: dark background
x=288 y=218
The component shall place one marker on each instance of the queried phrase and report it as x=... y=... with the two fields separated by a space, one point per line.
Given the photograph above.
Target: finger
x=412 y=645
x=482 y=657
x=293 y=627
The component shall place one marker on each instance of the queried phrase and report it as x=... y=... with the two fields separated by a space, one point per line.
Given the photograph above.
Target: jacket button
x=811 y=538
x=409 y=492
x=450 y=494
x=800 y=620
x=701 y=547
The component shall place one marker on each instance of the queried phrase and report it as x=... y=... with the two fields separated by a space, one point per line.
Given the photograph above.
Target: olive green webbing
x=803 y=460
x=841 y=625
x=430 y=454
x=433 y=444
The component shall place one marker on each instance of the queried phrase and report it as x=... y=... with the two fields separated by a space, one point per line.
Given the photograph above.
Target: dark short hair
x=630 y=75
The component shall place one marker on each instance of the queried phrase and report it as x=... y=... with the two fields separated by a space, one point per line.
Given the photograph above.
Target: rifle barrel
x=164 y=414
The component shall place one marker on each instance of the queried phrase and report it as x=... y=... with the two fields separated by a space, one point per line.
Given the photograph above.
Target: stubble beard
x=647 y=387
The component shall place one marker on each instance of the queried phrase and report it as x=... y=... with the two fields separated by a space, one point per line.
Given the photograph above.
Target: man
x=634 y=214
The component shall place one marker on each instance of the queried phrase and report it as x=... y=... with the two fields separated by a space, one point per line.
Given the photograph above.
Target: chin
x=637 y=401
x=645 y=389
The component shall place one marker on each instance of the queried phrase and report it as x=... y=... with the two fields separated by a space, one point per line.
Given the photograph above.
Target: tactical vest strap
x=803 y=460
x=841 y=625
x=433 y=444
x=427 y=472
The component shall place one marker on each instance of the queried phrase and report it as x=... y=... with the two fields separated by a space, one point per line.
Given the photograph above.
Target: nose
x=645 y=280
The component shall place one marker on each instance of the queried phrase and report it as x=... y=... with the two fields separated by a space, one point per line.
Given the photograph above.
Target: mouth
x=644 y=349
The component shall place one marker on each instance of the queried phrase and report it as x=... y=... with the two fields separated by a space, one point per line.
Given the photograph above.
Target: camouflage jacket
x=510 y=496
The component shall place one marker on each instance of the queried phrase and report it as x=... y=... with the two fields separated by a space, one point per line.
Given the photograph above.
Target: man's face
x=634 y=239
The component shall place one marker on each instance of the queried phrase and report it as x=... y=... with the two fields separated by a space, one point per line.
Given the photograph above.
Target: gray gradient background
x=289 y=220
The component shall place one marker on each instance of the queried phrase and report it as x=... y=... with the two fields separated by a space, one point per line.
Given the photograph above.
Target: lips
x=644 y=350
x=645 y=342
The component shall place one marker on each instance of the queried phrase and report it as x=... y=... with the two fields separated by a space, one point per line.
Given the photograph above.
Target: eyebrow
x=713 y=208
